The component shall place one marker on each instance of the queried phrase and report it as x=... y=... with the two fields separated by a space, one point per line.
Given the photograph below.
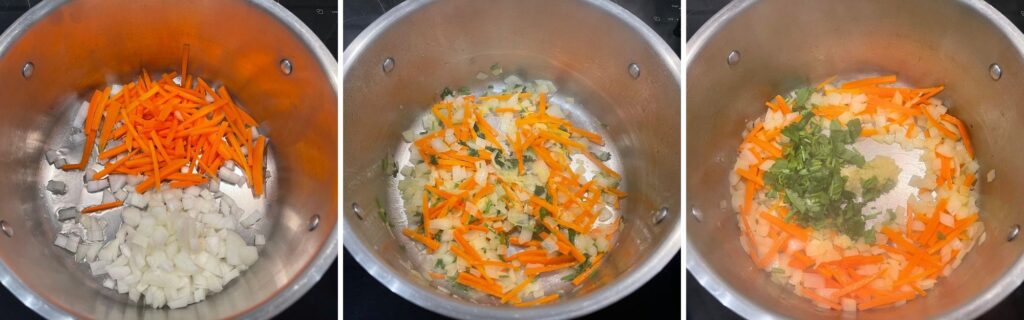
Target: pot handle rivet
x=6 y=229
x=995 y=71
x=286 y=66
x=314 y=222
x=634 y=70
x=733 y=59
x=697 y=214
x=660 y=215
x=27 y=70
x=1014 y=232
x=389 y=64
x=357 y=210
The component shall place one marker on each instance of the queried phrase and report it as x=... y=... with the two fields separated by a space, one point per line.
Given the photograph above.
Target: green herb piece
x=874 y=189
x=802 y=95
x=464 y=91
x=439 y=264
x=810 y=174
x=496 y=69
x=446 y=92
x=869 y=236
x=382 y=213
x=539 y=190
x=572 y=236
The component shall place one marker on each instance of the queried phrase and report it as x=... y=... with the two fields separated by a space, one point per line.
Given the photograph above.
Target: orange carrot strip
x=792 y=229
x=819 y=299
x=515 y=290
x=113 y=151
x=856 y=285
x=773 y=250
x=109 y=168
x=170 y=167
x=103 y=206
x=539 y=270
x=430 y=243
x=800 y=261
x=953 y=234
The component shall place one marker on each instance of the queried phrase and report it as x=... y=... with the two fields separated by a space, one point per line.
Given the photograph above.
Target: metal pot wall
x=782 y=45
x=398 y=66
x=75 y=47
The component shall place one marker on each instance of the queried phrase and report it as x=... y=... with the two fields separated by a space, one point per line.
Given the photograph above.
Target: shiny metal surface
x=433 y=44
x=237 y=43
x=924 y=43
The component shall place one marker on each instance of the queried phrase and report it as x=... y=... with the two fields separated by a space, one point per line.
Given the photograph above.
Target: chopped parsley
x=809 y=173
x=446 y=92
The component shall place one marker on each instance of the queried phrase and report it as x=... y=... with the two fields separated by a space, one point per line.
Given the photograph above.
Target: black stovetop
x=367 y=298
x=700 y=304
x=321 y=16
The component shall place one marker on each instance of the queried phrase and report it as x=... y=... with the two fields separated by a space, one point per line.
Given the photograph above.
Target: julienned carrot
x=511 y=294
x=539 y=301
x=800 y=261
x=430 y=243
x=477 y=283
x=257 y=165
x=586 y=273
x=750 y=176
x=150 y=182
x=794 y=230
x=773 y=250
x=866 y=82
x=857 y=285
x=103 y=206
x=933 y=224
x=963 y=132
x=109 y=168
x=937 y=124
x=961 y=226
x=819 y=299
x=538 y=270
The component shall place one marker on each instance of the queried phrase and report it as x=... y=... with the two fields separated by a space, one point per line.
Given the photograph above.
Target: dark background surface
x=321 y=16
x=367 y=298
x=700 y=304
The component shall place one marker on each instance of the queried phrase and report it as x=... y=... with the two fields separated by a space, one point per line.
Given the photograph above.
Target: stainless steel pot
x=781 y=45
x=397 y=67
x=61 y=50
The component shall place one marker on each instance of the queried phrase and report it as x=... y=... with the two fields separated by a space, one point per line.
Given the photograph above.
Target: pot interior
x=77 y=47
x=445 y=44
x=785 y=45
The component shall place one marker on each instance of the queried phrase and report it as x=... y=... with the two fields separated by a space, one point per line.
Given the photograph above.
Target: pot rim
x=746 y=308
x=285 y=295
x=430 y=298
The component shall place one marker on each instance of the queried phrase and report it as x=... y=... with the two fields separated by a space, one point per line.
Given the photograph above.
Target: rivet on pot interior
x=389 y=64
x=733 y=58
x=1014 y=232
x=314 y=222
x=697 y=214
x=6 y=228
x=286 y=66
x=995 y=71
x=634 y=70
x=358 y=211
x=27 y=70
x=660 y=215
